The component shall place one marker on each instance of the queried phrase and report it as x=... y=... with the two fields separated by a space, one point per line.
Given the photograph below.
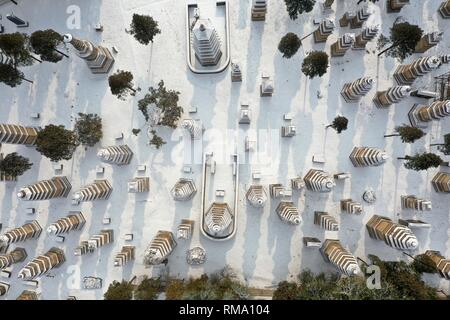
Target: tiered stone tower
x=98 y=190
x=407 y=73
x=319 y=181
x=28 y=295
x=444 y=9
x=160 y=248
x=384 y=99
x=288 y=213
x=119 y=155
x=297 y=183
x=365 y=36
x=96 y=241
x=441 y=182
x=56 y=187
x=368 y=157
x=325 y=221
x=256 y=196
x=393 y=234
x=31 y=230
x=420 y=115
x=351 y=207
x=184 y=190
x=324 y=30
x=259 y=10
x=139 y=185
x=412 y=202
x=75 y=221
x=98 y=58
x=355 y=20
x=344 y=261
x=441 y=264
x=42 y=264
x=15 y=256
x=185 y=229
x=206 y=43
x=276 y=190
x=236 y=73
x=428 y=41
x=396 y=5
x=124 y=256
x=218 y=219
x=340 y=47
x=353 y=91
x=17 y=134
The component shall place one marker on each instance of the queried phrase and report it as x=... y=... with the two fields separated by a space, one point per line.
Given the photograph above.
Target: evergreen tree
x=315 y=64
x=165 y=103
x=289 y=45
x=444 y=147
x=121 y=84
x=14 y=165
x=407 y=133
x=144 y=28
x=10 y=75
x=56 y=143
x=404 y=38
x=339 y=124
x=17 y=47
x=422 y=161
x=45 y=42
x=88 y=128
x=423 y=264
x=148 y=289
x=156 y=140
x=296 y=7
x=119 y=291
x=135 y=131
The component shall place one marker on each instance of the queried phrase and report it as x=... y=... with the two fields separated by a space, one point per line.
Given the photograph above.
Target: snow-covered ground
x=264 y=250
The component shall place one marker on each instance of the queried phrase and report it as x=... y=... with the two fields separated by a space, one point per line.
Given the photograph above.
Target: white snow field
x=264 y=250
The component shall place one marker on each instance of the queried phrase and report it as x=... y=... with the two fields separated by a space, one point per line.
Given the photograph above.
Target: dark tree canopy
x=296 y=7
x=121 y=83
x=422 y=161
x=315 y=64
x=445 y=147
x=56 y=143
x=423 y=264
x=289 y=45
x=144 y=28
x=404 y=38
x=339 y=124
x=16 y=46
x=166 y=104
x=44 y=44
x=119 y=291
x=156 y=140
x=10 y=75
x=409 y=134
x=88 y=128
x=148 y=289
x=14 y=165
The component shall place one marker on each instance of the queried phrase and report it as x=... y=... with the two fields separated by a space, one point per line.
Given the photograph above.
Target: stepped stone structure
x=355 y=20
x=98 y=59
x=441 y=182
x=15 y=256
x=324 y=30
x=206 y=43
x=327 y=4
x=4 y=288
x=325 y=221
x=245 y=114
x=368 y=157
x=218 y=219
x=440 y=263
x=96 y=241
x=74 y=221
x=139 y=185
x=444 y=9
x=276 y=190
x=124 y=256
x=343 y=260
x=119 y=155
x=352 y=207
x=340 y=47
x=5 y=59
x=393 y=234
x=384 y=99
x=396 y=5
x=256 y=196
x=184 y=190
x=28 y=295
x=365 y=36
x=42 y=264
x=236 y=73
x=288 y=213
x=98 y=190
x=412 y=202
x=319 y=181
x=185 y=229
x=31 y=230
x=288 y=131
x=259 y=10
x=297 y=183
x=17 y=134
x=56 y=187
x=420 y=115
x=266 y=88
x=353 y=91
x=194 y=127
x=160 y=248
x=428 y=41
x=407 y=73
